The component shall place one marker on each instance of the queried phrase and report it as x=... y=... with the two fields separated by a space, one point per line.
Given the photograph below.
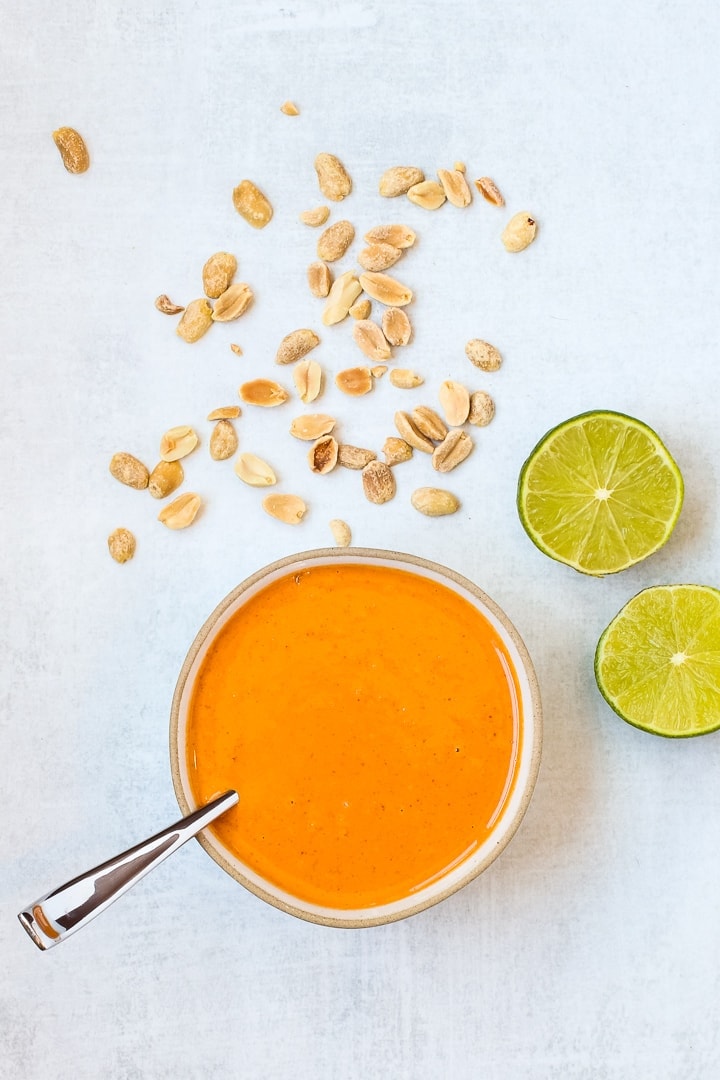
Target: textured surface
x=590 y=949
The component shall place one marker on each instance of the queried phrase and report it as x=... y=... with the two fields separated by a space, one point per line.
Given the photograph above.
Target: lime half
x=600 y=492
x=658 y=662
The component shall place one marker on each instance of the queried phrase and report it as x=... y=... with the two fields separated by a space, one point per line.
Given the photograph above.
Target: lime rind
x=657 y=664
x=600 y=450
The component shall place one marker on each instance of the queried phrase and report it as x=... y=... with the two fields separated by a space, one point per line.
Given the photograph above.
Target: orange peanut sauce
x=368 y=718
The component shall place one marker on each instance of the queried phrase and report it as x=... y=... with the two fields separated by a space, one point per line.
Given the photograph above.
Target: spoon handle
x=61 y=912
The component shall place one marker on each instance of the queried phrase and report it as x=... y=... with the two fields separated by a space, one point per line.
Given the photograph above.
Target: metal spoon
x=61 y=912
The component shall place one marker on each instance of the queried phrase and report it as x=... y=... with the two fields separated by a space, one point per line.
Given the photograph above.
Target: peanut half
x=370 y=339
x=405 y=378
x=396 y=326
x=454 y=448
x=354 y=457
x=344 y=292
x=254 y=471
x=482 y=409
x=233 y=303
x=181 y=512
x=379 y=256
x=226 y=412
x=455 y=401
x=290 y=509
x=263 y=392
x=178 y=442
x=323 y=454
x=354 y=381
x=428 y=423
x=410 y=433
x=317 y=216
x=455 y=187
x=396 y=450
x=399 y=236
x=388 y=290
x=312 y=426
x=429 y=194
x=319 y=279
x=490 y=191
x=307 y=376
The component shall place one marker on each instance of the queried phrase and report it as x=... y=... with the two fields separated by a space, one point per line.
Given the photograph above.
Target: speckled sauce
x=368 y=717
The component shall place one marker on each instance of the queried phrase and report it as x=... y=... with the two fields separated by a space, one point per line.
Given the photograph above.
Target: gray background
x=590 y=950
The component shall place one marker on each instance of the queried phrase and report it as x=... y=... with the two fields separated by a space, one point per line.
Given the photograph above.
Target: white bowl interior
x=527 y=719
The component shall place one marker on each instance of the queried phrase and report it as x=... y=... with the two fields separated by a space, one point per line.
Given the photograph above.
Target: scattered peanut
x=405 y=378
x=429 y=194
x=307 y=376
x=164 y=303
x=396 y=450
x=217 y=273
x=181 y=512
x=399 y=179
x=490 y=191
x=482 y=409
x=399 y=236
x=354 y=381
x=354 y=457
x=233 y=303
x=289 y=108
x=129 y=471
x=315 y=217
x=223 y=441
x=290 y=509
x=236 y=349
x=196 y=320
x=434 y=502
x=166 y=477
x=454 y=448
x=379 y=256
x=251 y=204
x=335 y=241
x=263 y=392
x=333 y=178
x=428 y=423
x=386 y=289
x=226 y=412
x=455 y=187
x=396 y=326
x=483 y=355
x=370 y=339
x=519 y=232
x=378 y=482
x=254 y=471
x=323 y=455
x=411 y=434
x=341 y=532
x=121 y=545
x=455 y=401
x=344 y=292
x=319 y=279
x=361 y=309
x=178 y=442
x=312 y=426
x=295 y=346
x=73 y=151
x=378 y=371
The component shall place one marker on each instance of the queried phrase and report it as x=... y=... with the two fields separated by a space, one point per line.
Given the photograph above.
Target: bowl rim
x=531 y=711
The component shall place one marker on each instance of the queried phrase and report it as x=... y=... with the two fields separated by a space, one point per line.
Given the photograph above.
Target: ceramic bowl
x=528 y=720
